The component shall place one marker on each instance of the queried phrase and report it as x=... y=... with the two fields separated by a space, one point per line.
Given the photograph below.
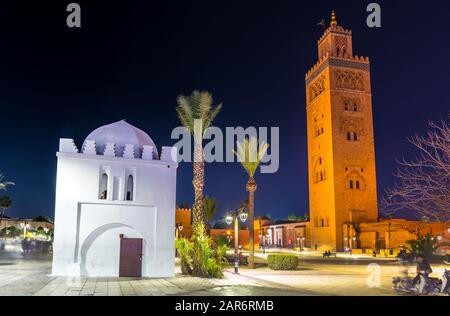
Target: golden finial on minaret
x=333 y=19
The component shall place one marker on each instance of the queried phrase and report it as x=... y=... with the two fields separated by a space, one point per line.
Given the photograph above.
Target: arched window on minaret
x=103 y=187
x=130 y=188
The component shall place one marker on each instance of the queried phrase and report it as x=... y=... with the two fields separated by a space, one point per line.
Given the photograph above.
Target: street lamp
x=24 y=226
x=178 y=228
x=233 y=216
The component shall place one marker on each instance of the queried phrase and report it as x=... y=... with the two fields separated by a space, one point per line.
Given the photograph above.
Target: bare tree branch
x=424 y=183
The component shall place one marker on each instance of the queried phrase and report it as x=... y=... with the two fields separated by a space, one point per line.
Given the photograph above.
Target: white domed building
x=115 y=205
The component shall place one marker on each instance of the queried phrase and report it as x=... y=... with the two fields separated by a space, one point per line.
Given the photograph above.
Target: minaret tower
x=341 y=154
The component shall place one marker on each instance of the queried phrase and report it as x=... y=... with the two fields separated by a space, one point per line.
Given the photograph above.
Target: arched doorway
x=101 y=250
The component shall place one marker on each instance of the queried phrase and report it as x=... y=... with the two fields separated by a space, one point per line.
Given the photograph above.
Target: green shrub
x=425 y=245
x=282 y=262
x=184 y=247
x=214 y=269
x=220 y=254
x=222 y=240
x=197 y=257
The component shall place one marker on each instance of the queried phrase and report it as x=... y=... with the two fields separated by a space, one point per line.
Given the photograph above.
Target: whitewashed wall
x=87 y=228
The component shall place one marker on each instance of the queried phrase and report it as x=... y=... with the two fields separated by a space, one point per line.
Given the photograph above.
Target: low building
x=388 y=236
x=267 y=232
x=286 y=234
x=114 y=205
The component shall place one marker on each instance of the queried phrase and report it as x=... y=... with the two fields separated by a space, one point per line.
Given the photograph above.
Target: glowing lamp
x=229 y=219
x=243 y=216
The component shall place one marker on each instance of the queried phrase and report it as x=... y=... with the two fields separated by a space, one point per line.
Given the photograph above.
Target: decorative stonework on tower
x=341 y=155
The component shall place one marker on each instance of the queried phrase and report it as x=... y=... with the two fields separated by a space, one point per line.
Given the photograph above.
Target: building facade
x=341 y=155
x=115 y=202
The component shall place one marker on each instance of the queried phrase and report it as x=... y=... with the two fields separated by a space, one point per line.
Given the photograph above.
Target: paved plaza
x=316 y=276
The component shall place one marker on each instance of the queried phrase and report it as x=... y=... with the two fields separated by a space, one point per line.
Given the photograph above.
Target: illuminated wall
x=341 y=156
x=116 y=186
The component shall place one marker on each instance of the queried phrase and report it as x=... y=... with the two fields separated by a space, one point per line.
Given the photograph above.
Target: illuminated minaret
x=341 y=155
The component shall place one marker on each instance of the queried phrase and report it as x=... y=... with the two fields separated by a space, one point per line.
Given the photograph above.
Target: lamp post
x=24 y=226
x=302 y=239
x=178 y=228
x=234 y=216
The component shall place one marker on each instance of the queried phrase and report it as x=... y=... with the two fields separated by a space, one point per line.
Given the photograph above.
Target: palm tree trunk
x=251 y=188
x=198 y=214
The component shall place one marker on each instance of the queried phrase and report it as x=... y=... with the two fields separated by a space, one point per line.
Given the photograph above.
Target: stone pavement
x=31 y=276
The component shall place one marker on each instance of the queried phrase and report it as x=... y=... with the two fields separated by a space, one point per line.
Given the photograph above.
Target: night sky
x=131 y=59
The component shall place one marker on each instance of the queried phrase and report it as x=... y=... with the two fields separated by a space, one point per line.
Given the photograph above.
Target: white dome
x=121 y=133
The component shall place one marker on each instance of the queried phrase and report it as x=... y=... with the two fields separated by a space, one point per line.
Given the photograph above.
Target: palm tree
x=3 y=185
x=196 y=112
x=249 y=154
x=5 y=204
x=210 y=207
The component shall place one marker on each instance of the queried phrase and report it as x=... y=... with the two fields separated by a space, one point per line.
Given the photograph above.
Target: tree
x=424 y=183
x=4 y=184
x=425 y=245
x=210 y=207
x=196 y=112
x=249 y=154
x=293 y=218
x=5 y=204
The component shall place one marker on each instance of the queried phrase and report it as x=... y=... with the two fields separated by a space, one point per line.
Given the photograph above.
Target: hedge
x=282 y=262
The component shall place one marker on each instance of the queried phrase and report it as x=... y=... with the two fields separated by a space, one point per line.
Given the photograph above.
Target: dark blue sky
x=131 y=60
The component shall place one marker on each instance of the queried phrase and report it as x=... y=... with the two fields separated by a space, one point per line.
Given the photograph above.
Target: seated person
x=423 y=268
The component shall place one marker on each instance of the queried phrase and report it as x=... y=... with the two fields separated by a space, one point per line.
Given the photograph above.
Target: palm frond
x=197 y=106
x=185 y=112
x=3 y=185
x=249 y=154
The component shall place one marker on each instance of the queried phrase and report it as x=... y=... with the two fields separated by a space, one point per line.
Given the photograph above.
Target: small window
x=130 y=188
x=349 y=136
x=323 y=223
x=103 y=187
x=320 y=160
x=351 y=184
x=355 y=136
x=321 y=176
x=346 y=105
x=355 y=107
x=357 y=184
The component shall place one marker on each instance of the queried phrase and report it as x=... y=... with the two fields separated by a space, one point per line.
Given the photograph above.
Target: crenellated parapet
x=337 y=29
x=67 y=145
x=327 y=56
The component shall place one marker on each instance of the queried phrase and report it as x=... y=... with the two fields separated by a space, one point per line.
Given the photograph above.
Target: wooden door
x=130 y=257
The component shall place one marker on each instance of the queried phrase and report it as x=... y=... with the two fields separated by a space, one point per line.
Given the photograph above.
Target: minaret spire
x=333 y=19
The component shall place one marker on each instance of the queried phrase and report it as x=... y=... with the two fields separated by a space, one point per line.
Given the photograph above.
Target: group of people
x=35 y=246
